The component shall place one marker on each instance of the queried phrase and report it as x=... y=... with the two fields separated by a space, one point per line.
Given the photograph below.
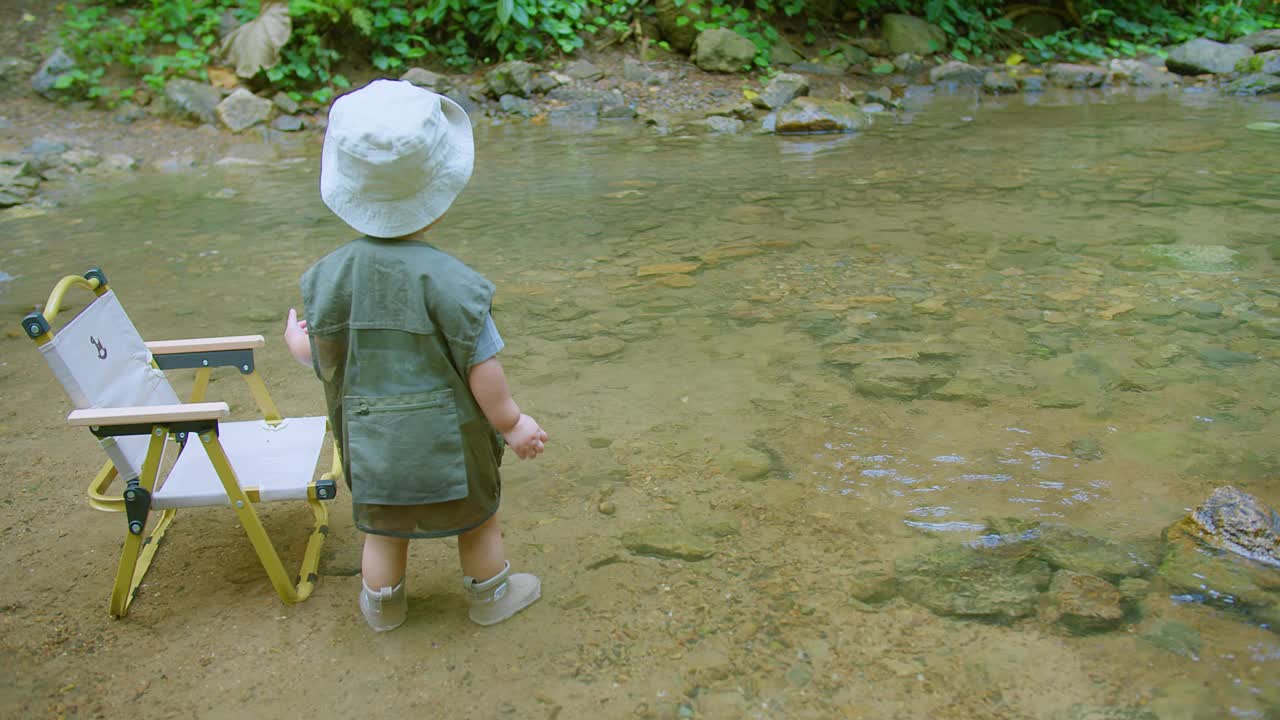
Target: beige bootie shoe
x=501 y=596
x=384 y=609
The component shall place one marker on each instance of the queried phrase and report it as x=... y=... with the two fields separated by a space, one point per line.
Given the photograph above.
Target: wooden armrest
x=195 y=345
x=148 y=414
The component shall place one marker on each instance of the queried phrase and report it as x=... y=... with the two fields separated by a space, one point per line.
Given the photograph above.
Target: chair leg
x=311 y=558
x=135 y=560
x=288 y=591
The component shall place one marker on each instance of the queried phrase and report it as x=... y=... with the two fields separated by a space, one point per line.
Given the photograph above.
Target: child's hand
x=295 y=338
x=526 y=438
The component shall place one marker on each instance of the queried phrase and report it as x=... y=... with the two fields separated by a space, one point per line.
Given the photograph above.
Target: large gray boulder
x=1203 y=56
x=722 y=50
x=511 y=78
x=679 y=34
x=192 y=100
x=1261 y=41
x=45 y=80
x=907 y=34
x=242 y=110
x=808 y=115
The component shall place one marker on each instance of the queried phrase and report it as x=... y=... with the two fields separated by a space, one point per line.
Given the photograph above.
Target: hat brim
x=409 y=214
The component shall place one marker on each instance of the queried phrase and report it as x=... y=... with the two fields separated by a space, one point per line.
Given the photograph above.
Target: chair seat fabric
x=279 y=461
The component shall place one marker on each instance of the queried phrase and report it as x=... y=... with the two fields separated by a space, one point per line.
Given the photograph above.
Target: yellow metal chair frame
x=198 y=418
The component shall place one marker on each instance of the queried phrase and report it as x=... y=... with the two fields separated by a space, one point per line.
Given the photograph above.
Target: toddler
x=400 y=334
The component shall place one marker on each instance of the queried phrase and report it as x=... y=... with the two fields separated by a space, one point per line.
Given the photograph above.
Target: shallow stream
x=810 y=356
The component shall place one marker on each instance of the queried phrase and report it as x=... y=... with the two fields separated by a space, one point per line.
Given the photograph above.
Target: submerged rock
x=1083 y=603
x=1196 y=258
x=1107 y=712
x=903 y=379
x=1175 y=637
x=1065 y=547
x=667 y=542
x=746 y=463
x=999 y=584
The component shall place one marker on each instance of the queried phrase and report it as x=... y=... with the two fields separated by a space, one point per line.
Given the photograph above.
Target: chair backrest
x=103 y=363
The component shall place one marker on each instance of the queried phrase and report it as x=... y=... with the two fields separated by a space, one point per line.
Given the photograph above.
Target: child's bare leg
x=480 y=550
x=384 y=560
x=494 y=591
x=382 y=597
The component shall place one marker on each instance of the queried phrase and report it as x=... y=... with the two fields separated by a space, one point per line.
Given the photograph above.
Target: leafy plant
x=119 y=44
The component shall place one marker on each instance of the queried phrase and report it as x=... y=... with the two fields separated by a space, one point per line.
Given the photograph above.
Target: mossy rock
x=993 y=584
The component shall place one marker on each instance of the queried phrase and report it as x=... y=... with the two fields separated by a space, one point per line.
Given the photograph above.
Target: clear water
x=1089 y=283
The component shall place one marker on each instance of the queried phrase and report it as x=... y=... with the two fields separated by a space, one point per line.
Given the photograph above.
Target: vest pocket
x=404 y=449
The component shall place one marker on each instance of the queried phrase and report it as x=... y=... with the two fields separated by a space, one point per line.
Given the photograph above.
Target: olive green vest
x=393 y=327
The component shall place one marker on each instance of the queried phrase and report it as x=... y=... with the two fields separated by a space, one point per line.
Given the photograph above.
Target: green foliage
x=120 y=45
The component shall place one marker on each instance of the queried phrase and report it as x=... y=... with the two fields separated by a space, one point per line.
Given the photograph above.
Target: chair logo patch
x=102 y=350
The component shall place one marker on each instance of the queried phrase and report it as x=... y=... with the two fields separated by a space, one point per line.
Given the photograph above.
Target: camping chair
x=118 y=386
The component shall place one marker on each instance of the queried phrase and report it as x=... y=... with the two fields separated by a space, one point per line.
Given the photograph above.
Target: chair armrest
x=143 y=414
x=199 y=345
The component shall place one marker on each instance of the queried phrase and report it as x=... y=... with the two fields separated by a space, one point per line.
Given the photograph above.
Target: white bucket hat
x=395 y=157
